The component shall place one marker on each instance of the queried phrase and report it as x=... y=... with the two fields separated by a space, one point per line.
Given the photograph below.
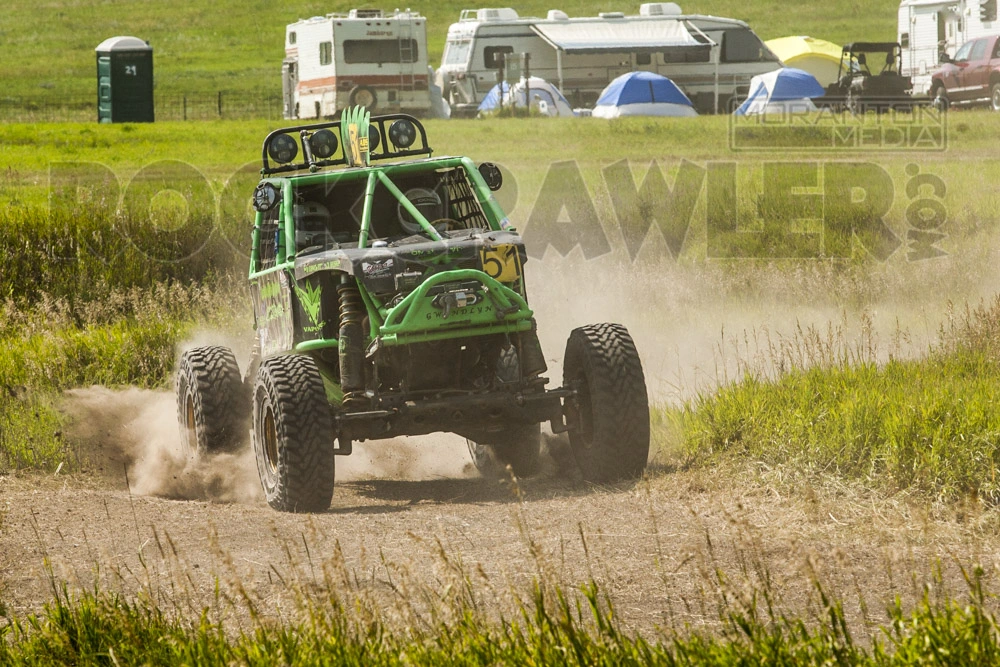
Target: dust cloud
x=131 y=435
x=696 y=327
x=699 y=326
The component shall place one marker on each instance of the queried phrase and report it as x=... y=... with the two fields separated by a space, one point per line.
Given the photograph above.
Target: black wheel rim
x=190 y=434
x=269 y=437
x=585 y=410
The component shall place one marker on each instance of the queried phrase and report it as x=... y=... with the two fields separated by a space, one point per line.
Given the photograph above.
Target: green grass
x=114 y=337
x=929 y=424
x=204 y=47
x=552 y=627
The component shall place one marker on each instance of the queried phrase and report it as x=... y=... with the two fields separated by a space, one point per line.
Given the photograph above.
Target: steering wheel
x=447 y=224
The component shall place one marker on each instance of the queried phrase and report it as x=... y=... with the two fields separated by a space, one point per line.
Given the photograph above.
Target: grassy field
x=98 y=277
x=201 y=48
x=120 y=241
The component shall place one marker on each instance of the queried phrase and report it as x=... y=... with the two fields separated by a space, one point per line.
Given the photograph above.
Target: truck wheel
x=293 y=435
x=212 y=406
x=519 y=446
x=363 y=96
x=939 y=98
x=995 y=96
x=611 y=440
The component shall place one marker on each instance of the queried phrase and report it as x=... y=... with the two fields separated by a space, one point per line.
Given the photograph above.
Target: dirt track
x=179 y=526
x=653 y=545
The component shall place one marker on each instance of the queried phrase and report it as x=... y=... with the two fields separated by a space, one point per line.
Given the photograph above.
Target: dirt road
x=411 y=524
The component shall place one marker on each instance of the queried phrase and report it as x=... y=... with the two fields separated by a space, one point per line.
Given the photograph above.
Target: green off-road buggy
x=389 y=300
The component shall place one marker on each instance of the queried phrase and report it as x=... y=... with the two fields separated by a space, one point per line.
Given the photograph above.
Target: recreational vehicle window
x=325 y=53
x=457 y=53
x=291 y=38
x=379 y=51
x=687 y=55
x=490 y=54
x=643 y=59
x=742 y=46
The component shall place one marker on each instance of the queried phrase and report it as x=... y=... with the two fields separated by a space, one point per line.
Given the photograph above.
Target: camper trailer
x=364 y=57
x=711 y=59
x=928 y=28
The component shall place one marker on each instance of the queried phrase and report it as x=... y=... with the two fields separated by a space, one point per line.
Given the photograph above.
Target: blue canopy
x=781 y=85
x=642 y=88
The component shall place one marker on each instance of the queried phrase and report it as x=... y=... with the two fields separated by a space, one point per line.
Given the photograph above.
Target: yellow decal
x=352 y=131
x=501 y=262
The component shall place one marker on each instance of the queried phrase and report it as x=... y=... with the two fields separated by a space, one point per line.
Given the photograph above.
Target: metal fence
x=238 y=105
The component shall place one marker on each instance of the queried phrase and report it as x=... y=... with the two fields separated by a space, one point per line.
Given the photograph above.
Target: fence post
x=220 y=104
x=184 y=103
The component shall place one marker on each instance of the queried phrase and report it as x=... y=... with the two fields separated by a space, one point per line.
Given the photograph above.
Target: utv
x=390 y=300
x=870 y=79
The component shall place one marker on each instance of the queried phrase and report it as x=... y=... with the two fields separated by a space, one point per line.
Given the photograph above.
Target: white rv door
x=289 y=80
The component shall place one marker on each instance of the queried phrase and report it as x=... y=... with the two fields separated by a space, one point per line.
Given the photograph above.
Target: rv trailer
x=712 y=59
x=364 y=57
x=928 y=28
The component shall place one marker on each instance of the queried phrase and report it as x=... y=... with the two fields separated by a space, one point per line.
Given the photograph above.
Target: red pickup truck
x=972 y=76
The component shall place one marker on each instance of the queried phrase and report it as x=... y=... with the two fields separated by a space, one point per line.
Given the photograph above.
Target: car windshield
x=963 y=53
x=874 y=61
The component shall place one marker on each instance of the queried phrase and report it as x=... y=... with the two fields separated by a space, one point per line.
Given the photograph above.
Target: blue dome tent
x=545 y=97
x=784 y=90
x=642 y=94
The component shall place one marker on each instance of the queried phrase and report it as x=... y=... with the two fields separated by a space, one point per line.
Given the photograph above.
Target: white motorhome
x=929 y=27
x=365 y=57
x=712 y=59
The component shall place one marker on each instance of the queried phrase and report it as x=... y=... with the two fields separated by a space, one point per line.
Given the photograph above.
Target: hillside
x=237 y=46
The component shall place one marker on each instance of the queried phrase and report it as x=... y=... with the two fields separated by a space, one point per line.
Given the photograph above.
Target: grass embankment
x=930 y=424
x=204 y=47
x=101 y=629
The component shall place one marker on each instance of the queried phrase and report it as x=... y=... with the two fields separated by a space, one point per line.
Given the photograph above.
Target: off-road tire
x=364 y=96
x=939 y=98
x=611 y=440
x=293 y=435
x=518 y=446
x=212 y=405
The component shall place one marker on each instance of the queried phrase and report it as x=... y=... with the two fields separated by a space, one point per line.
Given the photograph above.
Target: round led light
x=282 y=149
x=402 y=133
x=265 y=197
x=323 y=144
x=374 y=138
x=491 y=174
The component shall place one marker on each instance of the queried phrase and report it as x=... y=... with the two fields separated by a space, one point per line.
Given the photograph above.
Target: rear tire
x=995 y=96
x=611 y=440
x=939 y=98
x=363 y=96
x=293 y=437
x=212 y=404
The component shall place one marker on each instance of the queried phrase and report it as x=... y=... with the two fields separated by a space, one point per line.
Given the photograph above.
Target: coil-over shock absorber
x=351 y=338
